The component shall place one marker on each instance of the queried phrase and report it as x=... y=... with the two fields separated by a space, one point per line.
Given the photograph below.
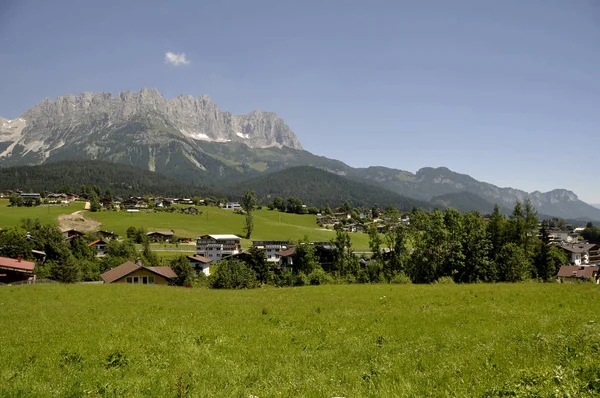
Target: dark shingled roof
x=199 y=258
x=575 y=271
x=577 y=247
x=127 y=268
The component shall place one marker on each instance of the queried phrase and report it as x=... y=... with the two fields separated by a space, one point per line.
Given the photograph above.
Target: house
x=158 y=236
x=572 y=273
x=232 y=206
x=70 y=233
x=58 y=198
x=190 y=210
x=578 y=253
x=16 y=270
x=99 y=246
x=560 y=237
x=138 y=274
x=108 y=235
x=578 y=230
x=271 y=248
x=134 y=203
x=286 y=258
x=215 y=247
x=200 y=264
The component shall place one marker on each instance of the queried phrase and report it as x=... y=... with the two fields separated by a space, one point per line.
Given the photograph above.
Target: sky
x=505 y=91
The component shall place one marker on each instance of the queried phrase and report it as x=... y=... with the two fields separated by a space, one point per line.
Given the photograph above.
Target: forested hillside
x=122 y=179
x=319 y=188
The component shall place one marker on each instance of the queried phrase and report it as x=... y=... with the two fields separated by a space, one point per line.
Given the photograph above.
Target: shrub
x=232 y=274
x=319 y=277
x=401 y=279
x=445 y=280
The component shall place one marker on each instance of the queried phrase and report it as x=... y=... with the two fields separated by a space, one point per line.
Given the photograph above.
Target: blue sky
x=506 y=91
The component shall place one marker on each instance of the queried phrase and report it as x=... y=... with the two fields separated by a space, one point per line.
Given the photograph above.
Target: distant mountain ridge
x=191 y=140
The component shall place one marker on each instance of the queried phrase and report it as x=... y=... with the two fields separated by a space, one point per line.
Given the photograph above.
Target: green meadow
x=322 y=341
x=268 y=225
x=11 y=216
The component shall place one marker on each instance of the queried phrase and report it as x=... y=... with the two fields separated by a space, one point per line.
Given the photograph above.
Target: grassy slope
x=268 y=224
x=10 y=216
x=344 y=340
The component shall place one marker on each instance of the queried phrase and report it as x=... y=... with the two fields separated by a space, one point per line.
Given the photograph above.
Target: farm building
x=138 y=274
x=16 y=270
x=200 y=264
x=574 y=273
x=215 y=247
x=99 y=246
x=158 y=236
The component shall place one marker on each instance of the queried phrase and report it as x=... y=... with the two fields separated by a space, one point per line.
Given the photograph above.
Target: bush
x=401 y=279
x=232 y=274
x=445 y=280
x=319 y=277
x=301 y=279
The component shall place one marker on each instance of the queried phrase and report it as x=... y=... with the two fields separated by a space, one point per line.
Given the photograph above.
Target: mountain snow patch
x=246 y=136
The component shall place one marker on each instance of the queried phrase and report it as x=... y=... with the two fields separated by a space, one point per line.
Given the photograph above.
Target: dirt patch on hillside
x=77 y=221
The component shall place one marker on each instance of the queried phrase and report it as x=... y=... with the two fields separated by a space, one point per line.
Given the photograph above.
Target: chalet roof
x=578 y=247
x=199 y=258
x=16 y=264
x=287 y=252
x=128 y=267
x=96 y=242
x=170 y=233
x=573 y=271
x=167 y=272
x=221 y=237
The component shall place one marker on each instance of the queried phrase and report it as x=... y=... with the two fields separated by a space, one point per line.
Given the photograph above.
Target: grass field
x=323 y=341
x=11 y=216
x=269 y=225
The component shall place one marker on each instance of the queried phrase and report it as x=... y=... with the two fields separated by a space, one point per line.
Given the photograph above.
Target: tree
x=430 y=250
x=232 y=274
x=304 y=258
x=258 y=263
x=374 y=242
x=185 y=273
x=149 y=257
x=94 y=203
x=248 y=203
x=550 y=258
x=454 y=261
x=65 y=269
x=14 y=242
x=496 y=231
x=396 y=238
x=513 y=263
x=476 y=248
x=344 y=260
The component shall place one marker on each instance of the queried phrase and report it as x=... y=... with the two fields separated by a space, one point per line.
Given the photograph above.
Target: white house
x=579 y=253
x=232 y=206
x=200 y=264
x=215 y=247
x=271 y=248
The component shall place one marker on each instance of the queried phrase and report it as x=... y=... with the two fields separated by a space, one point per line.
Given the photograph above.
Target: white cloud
x=176 y=59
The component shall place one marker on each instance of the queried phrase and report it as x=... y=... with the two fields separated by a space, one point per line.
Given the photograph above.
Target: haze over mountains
x=191 y=140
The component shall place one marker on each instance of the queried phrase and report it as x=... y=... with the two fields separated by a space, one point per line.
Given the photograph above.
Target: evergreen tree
x=476 y=247
x=513 y=263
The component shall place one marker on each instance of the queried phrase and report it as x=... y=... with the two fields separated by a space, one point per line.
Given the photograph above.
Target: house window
x=145 y=280
x=136 y=279
x=151 y=280
x=129 y=279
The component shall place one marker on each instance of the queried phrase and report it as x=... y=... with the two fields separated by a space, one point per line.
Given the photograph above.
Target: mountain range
x=191 y=140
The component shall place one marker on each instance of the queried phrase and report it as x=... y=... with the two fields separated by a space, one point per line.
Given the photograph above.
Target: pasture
x=11 y=216
x=322 y=341
x=268 y=225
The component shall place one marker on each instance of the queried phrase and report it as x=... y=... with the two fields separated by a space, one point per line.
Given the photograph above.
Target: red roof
x=16 y=265
x=287 y=252
x=199 y=258
x=96 y=241
x=575 y=271
x=127 y=268
x=167 y=272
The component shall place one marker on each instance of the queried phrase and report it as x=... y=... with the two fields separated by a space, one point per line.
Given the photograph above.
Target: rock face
x=51 y=125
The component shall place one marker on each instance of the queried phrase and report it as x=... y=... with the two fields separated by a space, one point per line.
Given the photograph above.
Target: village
x=583 y=257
